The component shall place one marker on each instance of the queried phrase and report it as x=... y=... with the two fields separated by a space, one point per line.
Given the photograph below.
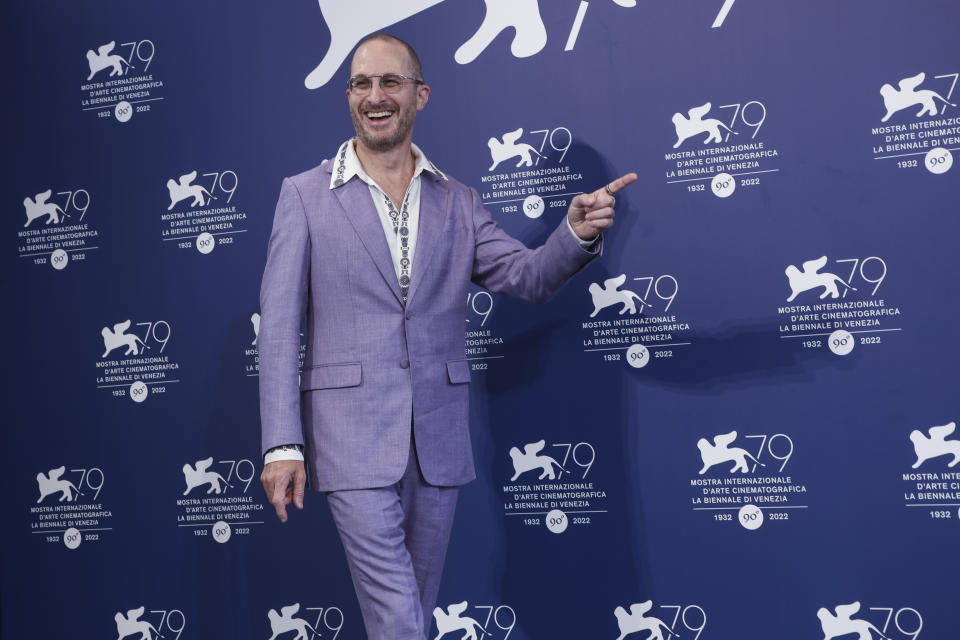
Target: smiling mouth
x=378 y=116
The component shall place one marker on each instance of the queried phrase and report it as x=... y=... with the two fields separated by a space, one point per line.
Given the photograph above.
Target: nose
x=376 y=93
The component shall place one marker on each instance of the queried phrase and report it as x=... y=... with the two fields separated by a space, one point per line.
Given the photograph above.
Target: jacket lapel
x=434 y=206
x=354 y=198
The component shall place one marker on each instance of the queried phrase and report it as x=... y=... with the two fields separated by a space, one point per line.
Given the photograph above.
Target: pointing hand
x=592 y=213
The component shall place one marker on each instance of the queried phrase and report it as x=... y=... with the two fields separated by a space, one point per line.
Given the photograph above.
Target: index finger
x=279 y=502
x=621 y=182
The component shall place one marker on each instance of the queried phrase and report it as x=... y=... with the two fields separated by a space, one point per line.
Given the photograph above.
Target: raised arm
x=503 y=264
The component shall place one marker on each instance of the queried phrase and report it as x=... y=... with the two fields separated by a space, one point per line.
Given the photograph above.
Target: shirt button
x=404 y=364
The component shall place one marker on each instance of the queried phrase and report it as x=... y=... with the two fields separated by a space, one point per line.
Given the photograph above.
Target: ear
x=423 y=95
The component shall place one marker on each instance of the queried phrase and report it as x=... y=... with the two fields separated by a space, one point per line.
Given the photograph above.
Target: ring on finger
x=606 y=188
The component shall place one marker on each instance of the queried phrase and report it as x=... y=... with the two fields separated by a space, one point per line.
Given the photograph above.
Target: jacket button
x=404 y=364
x=409 y=316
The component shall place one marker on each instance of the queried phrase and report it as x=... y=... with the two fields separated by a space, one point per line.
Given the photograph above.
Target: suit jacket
x=372 y=364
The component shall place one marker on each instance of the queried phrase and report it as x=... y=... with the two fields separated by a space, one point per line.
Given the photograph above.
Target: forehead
x=380 y=56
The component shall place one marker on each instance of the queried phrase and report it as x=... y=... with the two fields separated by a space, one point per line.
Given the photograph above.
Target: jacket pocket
x=331 y=376
x=458 y=371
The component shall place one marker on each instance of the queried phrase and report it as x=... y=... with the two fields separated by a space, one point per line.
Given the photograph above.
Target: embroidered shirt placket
x=402 y=237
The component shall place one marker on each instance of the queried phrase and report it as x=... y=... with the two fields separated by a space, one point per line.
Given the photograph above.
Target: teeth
x=380 y=114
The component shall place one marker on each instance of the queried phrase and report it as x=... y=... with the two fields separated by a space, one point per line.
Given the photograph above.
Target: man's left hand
x=590 y=214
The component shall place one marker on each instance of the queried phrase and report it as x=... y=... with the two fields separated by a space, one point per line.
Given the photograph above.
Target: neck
x=391 y=166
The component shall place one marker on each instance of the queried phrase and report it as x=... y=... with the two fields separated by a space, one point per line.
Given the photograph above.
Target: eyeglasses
x=389 y=82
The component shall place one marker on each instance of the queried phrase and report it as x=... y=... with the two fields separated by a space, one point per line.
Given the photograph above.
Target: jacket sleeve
x=503 y=264
x=283 y=298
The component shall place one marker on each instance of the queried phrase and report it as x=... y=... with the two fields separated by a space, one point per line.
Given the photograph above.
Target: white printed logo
x=120 y=93
x=523 y=16
x=250 y=353
x=611 y=295
x=183 y=188
x=252 y=356
x=637 y=620
x=907 y=96
x=51 y=483
x=131 y=624
x=200 y=224
x=723 y=185
x=285 y=622
x=560 y=489
x=634 y=333
x=46 y=244
x=695 y=125
x=39 y=207
x=905 y=141
x=529 y=460
x=214 y=515
x=255 y=320
x=482 y=346
x=200 y=475
x=119 y=338
x=741 y=486
x=508 y=148
x=104 y=59
x=718 y=131
x=350 y=22
x=77 y=200
x=810 y=278
x=750 y=517
x=936 y=444
x=123 y=111
x=526 y=185
x=84 y=520
x=124 y=375
x=841 y=622
x=720 y=160
x=453 y=620
x=720 y=452
x=834 y=323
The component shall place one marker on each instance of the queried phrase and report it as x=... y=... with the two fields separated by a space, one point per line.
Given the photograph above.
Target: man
x=378 y=247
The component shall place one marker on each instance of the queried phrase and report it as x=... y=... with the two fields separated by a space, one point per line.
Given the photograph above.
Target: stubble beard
x=383 y=142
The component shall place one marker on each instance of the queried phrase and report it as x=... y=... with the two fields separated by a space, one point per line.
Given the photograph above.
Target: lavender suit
x=373 y=366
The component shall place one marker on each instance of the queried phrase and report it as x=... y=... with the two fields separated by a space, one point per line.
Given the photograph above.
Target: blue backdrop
x=726 y=428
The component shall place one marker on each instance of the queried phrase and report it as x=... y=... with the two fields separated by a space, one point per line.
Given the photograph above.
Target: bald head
x=411 y=65
x=383 y=118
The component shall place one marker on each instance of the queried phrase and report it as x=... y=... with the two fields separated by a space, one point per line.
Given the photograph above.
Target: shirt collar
x=346 y=165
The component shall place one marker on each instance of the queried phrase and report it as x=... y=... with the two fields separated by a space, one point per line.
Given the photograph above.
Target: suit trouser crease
x=395 y=539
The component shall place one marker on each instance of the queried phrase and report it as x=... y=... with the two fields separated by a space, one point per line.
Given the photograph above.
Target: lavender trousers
x=396 y=539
